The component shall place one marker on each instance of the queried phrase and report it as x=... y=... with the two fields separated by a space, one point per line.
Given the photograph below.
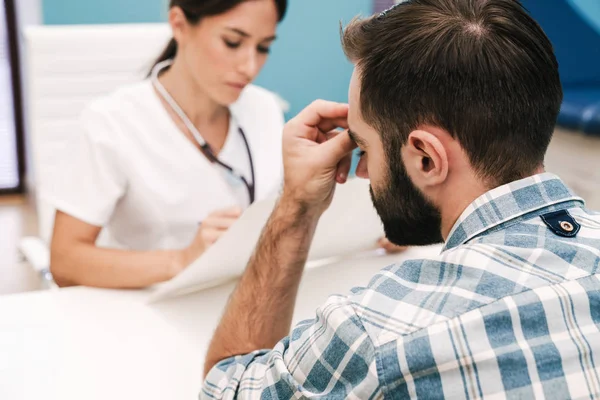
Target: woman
x=165 y=166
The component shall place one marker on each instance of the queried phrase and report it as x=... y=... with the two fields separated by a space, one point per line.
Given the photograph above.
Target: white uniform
x=133 y=172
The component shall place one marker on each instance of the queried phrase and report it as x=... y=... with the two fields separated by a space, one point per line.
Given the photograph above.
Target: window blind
x=10 y=177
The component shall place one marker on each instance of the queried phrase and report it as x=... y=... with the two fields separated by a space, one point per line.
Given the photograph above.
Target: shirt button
x=567 y=226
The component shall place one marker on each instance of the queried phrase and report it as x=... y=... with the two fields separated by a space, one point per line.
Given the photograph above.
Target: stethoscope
x=204 y=147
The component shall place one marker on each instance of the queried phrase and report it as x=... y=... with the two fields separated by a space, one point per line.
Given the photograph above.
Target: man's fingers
x=338 y=146
x=321 y=110
x=330 y=124
x=321 y=137
x=343 y=169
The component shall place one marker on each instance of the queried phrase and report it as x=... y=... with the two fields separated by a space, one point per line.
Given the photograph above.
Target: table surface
x=84 y=343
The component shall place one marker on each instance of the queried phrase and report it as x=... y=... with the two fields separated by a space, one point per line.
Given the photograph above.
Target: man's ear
x=426 y=159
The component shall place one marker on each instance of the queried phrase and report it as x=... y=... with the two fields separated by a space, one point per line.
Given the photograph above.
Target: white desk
x=83 y=343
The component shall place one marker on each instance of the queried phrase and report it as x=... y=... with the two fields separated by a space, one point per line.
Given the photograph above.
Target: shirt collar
x=507 y=203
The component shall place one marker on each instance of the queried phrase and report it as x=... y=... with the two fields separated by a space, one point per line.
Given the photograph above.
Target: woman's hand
x=211 y=229
x=214 y=226
x=390 y=247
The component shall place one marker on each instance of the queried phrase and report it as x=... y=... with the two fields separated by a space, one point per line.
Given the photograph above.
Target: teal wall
x=306 y=62
x=103 y=11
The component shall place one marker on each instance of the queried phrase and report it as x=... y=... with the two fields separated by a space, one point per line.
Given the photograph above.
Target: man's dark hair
x=483 y=70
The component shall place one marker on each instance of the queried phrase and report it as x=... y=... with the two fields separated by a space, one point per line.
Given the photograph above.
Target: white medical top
x=133 y=172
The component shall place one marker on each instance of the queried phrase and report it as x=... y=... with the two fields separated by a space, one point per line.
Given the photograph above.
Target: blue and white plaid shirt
x=509 y=309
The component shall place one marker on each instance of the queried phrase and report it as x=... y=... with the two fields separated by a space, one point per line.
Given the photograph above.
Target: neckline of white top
x=182 y=138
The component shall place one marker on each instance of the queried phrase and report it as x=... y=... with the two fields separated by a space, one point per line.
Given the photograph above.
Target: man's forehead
x=354 y=89
x=354 y=96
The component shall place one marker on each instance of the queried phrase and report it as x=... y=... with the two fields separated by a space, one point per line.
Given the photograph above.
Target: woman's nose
x=249 y=66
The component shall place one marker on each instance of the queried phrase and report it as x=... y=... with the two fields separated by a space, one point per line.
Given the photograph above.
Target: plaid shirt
x=509 y=309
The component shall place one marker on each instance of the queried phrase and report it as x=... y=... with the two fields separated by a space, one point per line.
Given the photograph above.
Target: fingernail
x=343 y=176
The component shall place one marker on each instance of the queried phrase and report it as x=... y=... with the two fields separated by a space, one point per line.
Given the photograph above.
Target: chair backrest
x=66 y=68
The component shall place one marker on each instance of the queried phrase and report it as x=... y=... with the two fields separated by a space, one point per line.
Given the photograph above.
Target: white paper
x=350 y=226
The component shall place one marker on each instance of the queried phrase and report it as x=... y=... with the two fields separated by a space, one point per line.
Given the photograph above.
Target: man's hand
x=260 y=310
x=316 y=154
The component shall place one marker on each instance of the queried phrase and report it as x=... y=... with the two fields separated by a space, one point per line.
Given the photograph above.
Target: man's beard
x=409 y=219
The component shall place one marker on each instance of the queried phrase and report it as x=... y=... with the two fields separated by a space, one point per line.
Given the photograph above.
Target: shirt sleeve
x=88 y=179
x=331 y=356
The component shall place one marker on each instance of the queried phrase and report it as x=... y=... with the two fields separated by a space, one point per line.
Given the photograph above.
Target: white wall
x=30 y=11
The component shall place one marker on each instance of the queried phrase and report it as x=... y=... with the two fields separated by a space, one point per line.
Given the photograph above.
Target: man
x=453 y=104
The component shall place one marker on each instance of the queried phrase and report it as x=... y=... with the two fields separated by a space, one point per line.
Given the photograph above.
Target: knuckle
x=319 y=103
x=289 y=126
x=290 y=122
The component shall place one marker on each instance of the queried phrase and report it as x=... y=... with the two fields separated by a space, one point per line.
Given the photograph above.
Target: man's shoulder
x=537 y=336
x=409 y=296
x=417 y=293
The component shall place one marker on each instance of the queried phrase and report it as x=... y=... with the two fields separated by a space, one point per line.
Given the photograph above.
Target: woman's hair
x=195 y=10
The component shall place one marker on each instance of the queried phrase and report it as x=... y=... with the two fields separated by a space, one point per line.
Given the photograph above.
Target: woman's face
x=224 y=53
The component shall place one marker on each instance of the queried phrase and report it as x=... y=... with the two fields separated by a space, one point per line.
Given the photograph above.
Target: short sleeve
x=89 y=179
x=331 y=356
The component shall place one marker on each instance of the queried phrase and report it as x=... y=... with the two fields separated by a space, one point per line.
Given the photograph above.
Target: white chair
x=67 y=67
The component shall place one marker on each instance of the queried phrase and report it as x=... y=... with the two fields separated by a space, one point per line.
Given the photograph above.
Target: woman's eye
x=361 y=153
x=232 y=45
x=263 y=49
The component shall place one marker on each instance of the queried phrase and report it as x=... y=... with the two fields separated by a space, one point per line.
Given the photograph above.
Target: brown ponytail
x=168 y=53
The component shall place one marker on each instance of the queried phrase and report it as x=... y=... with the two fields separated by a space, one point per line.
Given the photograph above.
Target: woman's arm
x=75 y=259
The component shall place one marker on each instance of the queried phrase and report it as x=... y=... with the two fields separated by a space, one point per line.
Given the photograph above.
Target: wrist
x=177 y=261
x=296 y=205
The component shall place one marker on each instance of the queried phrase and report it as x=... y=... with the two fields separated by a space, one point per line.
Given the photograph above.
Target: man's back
x=452 y=104
x=509 y=309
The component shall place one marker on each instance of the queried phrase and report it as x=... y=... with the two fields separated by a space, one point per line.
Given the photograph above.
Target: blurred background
x=56 y=55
